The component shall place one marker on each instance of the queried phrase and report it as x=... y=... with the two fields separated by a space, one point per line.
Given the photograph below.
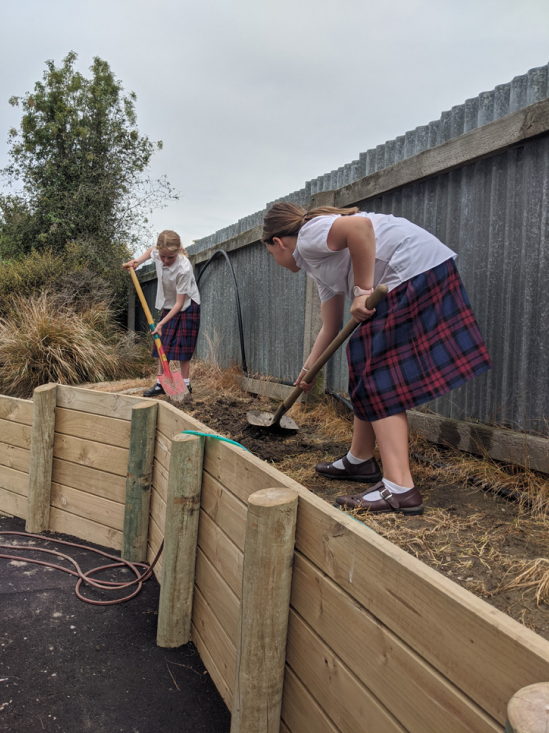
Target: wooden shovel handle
x=150 y=321
x=373 y=300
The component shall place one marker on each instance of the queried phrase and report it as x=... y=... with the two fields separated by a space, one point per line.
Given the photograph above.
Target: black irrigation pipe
x=238 y=308
x=518 y=496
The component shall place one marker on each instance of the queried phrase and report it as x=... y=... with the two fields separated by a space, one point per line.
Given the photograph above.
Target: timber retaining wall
x=377 y=641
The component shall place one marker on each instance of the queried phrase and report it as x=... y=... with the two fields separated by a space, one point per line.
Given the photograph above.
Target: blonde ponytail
x=171 y=241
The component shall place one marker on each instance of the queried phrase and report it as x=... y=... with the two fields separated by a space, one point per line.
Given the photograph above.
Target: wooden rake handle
x=373 y=300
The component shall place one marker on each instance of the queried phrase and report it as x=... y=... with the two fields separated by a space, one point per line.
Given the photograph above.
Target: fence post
x=180 y=541
x=41 y=458
x=131 y=309
x=264 y=609
x=528 y=710
x=139 y=481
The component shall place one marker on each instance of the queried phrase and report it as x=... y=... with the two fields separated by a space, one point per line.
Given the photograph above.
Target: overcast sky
x=253 y=98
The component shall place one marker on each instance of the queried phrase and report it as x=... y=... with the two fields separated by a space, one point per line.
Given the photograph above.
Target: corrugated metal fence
x=489 y=203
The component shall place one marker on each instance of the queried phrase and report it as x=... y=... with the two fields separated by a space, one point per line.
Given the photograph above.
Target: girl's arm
x=357 y=234
x=138 y=261
x=332 y=314
x=179 y=300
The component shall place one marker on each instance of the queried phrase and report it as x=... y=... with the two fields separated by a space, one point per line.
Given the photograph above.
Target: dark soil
x=69 y=667
x=477 y=539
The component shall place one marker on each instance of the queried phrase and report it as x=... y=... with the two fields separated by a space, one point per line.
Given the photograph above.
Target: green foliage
x=66 y=274
x=83 y=168
x=43 y=340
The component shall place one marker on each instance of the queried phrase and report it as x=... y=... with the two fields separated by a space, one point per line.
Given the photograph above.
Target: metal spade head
x=174 y=386
x=267 y=420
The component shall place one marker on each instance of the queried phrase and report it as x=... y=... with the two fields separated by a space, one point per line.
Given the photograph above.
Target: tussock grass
x=43 y=340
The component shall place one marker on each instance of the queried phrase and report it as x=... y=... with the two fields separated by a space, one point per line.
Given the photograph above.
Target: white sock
x=187 y=381
x=352 y=459
x=158 y=380
x=393 y=488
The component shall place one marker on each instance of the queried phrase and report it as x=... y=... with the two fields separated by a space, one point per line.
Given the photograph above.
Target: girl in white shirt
x=422 y=341
x=178 y=297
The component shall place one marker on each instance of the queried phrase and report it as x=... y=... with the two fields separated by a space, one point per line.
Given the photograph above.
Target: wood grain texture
x=98 y=428
x=15 y=481
x=419 y=697
x=12 y=503
x=13 y=457
x=180 y=541
x=301 y=713
x=222 y=553
x=106 y=458
x=225 y=509
x=220 y=649
x=346 y=701
x=139 y=481
x=264 y=608
x=85 y=529
x=443 y=623
x=222 y=600
x=528 y=710
x=90 y=480
x=213 y=671
x=97 y=403
x=17 y=434
x=16 y=410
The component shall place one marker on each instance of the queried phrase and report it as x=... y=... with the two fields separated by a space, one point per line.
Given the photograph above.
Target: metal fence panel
x=494 y=213
x=272 y=301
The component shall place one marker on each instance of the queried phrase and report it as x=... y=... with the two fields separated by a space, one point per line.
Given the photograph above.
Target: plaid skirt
x=179 y=334
x=422 y=342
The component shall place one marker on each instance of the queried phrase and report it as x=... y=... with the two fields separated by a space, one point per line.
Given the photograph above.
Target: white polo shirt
x=403 y=250
x=176 y=279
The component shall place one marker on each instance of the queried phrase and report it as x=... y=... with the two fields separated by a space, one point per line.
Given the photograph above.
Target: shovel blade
x=266 y=420
x=174 y=386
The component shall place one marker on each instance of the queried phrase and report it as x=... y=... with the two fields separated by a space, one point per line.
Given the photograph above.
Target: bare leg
x=185 y=367
x=392 y=438
x=364 y=439
x=160 y=370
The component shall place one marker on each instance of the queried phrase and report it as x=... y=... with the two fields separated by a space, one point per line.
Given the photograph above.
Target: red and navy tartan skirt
x=422 y=342
x=179 y=334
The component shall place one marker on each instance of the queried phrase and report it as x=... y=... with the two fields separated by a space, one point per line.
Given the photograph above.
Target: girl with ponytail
x=422 y=341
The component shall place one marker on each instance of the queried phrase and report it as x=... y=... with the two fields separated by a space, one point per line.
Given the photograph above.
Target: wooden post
x=264 y=608
x=139 y=481
x=528 y=710
x=41 y=458
x=180 y=541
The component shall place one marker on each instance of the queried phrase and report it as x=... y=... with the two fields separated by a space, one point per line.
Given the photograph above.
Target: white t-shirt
x=403 y=250
x=177 y=279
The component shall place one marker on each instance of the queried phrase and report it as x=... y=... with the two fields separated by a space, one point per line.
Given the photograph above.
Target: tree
x=82 y=167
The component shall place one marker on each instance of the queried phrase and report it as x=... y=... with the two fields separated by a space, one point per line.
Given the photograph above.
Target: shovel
x=172 y=382
x=280 y=419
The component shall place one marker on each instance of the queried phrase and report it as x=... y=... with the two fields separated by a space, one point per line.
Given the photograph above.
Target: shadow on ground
x=69 y=667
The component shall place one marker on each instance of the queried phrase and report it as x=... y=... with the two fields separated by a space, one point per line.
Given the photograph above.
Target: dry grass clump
x=533 y=575
x=43 y=340
x=213 y=377
x=529 y=489
x=325 y=416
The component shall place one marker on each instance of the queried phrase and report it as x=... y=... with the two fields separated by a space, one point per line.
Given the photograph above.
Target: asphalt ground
x=70 y=667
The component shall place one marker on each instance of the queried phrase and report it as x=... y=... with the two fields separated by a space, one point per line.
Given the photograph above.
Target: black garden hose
x=238 y=308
